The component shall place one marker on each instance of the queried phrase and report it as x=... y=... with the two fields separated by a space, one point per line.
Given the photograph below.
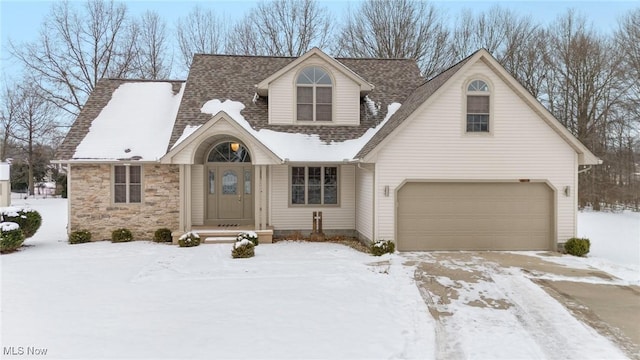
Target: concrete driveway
x=457 y=282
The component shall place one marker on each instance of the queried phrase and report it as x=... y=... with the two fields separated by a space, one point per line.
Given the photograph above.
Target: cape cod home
x=466 y=160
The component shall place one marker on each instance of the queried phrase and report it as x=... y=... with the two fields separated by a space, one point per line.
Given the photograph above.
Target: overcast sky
x=21 y=20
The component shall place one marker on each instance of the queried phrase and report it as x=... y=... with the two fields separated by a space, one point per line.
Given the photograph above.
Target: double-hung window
x=314 y=95
x=478 y=102
x=127 y=184
x=314 y=185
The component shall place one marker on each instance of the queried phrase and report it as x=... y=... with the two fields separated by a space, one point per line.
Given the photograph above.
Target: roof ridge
x=143 y=80
x=249 y=56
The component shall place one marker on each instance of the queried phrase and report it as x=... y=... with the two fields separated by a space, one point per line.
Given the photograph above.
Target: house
x=466 y=160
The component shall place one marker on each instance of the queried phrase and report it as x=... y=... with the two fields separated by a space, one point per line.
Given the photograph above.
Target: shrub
x=29 y=220
x=577 y=246
x=248 y=235
x=189 y=239
x=162 y=235
x=11 y=236
x=243 y=249
x=79 y=237
x=381 y=247
x=121 y=235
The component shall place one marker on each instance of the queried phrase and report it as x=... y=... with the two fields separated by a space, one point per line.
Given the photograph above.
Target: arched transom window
x=478 y=96
x=314 y=95
x=229 y=151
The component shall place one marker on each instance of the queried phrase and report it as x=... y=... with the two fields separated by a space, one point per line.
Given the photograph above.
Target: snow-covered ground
x=615 y=242
x=293 y=300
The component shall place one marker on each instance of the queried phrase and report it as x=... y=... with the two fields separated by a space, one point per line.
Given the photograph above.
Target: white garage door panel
x=475 y=216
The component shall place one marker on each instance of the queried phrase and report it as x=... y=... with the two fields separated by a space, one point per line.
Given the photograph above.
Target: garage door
x=475 y=216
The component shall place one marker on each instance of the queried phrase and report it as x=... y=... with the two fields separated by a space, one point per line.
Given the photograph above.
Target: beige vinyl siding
x=434 y=146
x=197 y=194
x=364 y=202
x=223 y=130
x=346 y=96
x=285 y=217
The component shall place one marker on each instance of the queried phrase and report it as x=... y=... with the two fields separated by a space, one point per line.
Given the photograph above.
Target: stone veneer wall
x=92 y=207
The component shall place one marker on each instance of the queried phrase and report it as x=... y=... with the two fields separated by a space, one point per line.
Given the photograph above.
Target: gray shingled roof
x=98 y=99
x=234 y=77
x=411 y=104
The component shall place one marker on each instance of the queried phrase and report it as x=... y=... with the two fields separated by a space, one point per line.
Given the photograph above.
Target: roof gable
x=425 y=93
x=262 y=88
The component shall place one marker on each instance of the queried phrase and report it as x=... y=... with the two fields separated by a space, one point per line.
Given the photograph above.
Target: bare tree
x=10 y=104
x=152 y=60
x=76 y=48
x=396 y=29
x=628 y=40
x=584 y=91
x=281 y=28
x=201 y=31
x=34 y=124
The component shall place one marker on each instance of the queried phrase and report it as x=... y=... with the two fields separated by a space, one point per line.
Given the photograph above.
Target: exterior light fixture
x=235 y=146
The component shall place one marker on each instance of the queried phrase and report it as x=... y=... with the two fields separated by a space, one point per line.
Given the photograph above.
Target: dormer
x=314 y=89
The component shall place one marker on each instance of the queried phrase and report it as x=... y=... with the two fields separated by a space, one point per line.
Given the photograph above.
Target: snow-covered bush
x=79 y=237
x=243 y=249
x=381 y=247
x=11 y=236
x=28 y=219
x=577 y=246
x=121 y=235
x=162 y=235
x=248 y=235
x=189 y=239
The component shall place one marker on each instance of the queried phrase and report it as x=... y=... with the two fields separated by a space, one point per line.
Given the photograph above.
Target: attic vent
x=127 y=150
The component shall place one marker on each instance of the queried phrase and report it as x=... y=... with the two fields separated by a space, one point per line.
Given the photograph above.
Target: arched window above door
x=229 y=151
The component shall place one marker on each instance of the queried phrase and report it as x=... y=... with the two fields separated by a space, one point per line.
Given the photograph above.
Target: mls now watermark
x=24 y=351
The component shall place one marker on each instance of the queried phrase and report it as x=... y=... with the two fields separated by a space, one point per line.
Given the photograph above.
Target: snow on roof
x=136 y=109
x=291 y=146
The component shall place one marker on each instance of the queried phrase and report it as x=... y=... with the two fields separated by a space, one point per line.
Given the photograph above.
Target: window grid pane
x=477 y=104
x=135 y=175
x=314 y=187
x=135 y=193
x=330 y=185
x=477 y=123
x=120 y=193
x=297 y=185
x=120 y=173
x=305 y=112
x=323 y=95
x=305 y=95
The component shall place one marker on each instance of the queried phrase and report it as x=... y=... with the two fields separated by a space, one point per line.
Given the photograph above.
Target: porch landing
x=226 y=234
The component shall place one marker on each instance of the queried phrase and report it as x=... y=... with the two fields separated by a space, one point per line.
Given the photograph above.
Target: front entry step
x=219 y=240
x=213 y=235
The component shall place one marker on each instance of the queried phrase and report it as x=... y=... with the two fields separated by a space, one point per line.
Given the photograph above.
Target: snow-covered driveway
x=488 y=305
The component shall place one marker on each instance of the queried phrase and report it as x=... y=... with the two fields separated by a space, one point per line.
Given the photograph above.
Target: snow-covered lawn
x=145 y=300
x=293 y=300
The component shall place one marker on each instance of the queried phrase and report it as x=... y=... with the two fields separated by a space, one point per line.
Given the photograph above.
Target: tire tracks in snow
x=483 y=309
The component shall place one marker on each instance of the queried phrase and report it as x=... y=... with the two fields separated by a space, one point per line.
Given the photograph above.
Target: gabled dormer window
x=478 y=106
x=314 y=95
